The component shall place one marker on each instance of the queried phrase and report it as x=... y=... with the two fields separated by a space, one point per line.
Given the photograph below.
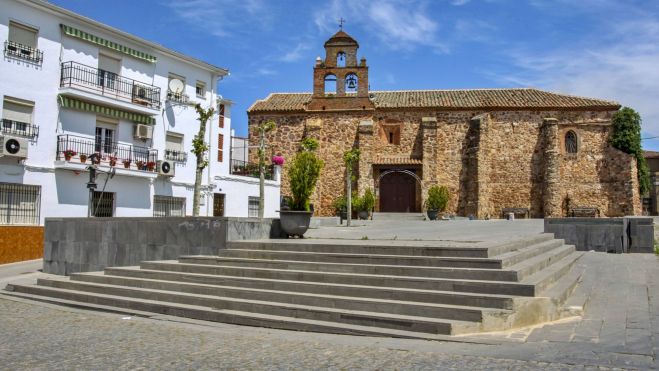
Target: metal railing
x=165 y=206
x=250 y=169
x=177 y=97
x=109 y=84
x=111 y=153
x=18 y=128
x=19 y=203
x=20 y=51
x=178 y=156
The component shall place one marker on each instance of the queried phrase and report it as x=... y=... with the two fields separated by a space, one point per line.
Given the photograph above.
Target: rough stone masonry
x=493 y=148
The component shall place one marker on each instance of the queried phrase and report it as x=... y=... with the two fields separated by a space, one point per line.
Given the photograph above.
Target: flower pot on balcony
x=67 y=157
x=83 y=159
x=113 y=163
x=127 y=164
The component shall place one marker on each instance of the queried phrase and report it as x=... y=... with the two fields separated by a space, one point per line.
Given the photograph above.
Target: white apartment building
x=74 y=90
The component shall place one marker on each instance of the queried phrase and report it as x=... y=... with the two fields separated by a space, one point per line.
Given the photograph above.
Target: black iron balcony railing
x=28 y=53
x=109 y=84
x=178 y=156
x=249 y=169
x=71 y=147
x=177 y=97
x=22 y=129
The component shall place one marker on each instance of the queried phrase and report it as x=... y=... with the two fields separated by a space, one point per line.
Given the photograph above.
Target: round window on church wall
x=571 y=142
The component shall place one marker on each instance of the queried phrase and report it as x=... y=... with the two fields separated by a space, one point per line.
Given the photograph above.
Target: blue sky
x=597 y=48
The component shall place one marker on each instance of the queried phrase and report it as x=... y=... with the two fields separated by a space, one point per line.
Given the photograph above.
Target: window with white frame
x=165 y=206
x=174 y=150
x=22 y=43
x=19 y=203
x=17 y=116
x=253 y=207
x=200 y=89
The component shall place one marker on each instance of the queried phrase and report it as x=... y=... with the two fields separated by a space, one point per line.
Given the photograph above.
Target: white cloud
x=398 y=24
x=459 y=2
x=625 y=70
x=223 y=18
x=296 y=53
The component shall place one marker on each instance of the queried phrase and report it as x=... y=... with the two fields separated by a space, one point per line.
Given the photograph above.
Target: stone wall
x=488 y=160
x=91 y=244
x=613 y=235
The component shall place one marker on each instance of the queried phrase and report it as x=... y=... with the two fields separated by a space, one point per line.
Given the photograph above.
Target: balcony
x=20 y=51
x=109 y=84
x=73 y=148
x=250 y=170
x=179 y=98
x=176 y=156
x=21 y=129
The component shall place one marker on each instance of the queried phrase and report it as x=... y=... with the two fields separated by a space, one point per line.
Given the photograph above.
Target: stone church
x=541 y=152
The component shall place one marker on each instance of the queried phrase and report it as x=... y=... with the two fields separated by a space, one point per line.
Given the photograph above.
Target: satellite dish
x=176 y=86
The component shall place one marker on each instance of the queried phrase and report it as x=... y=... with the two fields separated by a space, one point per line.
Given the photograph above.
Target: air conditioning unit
x=166 y=168
x=13 y=147
x=143 y=131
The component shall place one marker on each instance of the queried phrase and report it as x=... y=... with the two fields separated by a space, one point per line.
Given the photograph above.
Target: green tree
x=263 y=128
x=199 y=149
x=626 y=136
x=350 y=158
x=303 y=173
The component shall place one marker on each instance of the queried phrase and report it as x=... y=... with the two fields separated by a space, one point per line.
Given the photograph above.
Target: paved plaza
x=619 y=329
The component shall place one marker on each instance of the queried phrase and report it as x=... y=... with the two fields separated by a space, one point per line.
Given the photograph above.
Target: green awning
x=74 y=32
x=80 y=105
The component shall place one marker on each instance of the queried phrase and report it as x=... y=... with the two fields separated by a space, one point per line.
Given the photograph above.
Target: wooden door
x=398 y=193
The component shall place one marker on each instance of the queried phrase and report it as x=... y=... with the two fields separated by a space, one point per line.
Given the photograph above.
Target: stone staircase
x=414 y=289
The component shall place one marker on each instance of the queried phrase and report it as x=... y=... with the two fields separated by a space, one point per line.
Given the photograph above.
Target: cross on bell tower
x=340 y=82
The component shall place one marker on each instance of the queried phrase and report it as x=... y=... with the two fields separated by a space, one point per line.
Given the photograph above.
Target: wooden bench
x=584 y=212
x=519 y=212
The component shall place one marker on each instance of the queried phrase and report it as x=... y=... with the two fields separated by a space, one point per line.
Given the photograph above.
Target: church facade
x=494 y=149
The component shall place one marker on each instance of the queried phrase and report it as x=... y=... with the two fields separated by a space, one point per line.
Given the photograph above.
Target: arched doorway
x=397 y=190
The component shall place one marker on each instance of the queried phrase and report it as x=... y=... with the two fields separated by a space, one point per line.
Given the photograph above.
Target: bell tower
x=339 y=81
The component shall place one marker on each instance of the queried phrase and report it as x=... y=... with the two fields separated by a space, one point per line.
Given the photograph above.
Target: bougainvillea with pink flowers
x=277 y=160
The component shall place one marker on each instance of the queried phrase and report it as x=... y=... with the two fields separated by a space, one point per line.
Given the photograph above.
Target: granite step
x=420 y=283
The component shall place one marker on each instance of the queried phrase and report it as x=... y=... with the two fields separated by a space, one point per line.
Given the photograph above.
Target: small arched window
x=340 y=59
x=330 y=84
x=352 y=83
x=571 y=145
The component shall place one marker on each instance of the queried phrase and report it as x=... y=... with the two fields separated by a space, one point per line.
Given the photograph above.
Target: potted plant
x=303 y=173
x=140 y=164
x=83 y=158
x=341 y=207
x=69 y=153
x=113 y=160
x=277 y=160
x=150 y=165
x=126 y=164
x=356 y=203
x=367 y=202
x=438 y=197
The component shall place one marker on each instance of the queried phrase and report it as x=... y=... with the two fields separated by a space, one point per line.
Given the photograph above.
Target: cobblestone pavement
x=620 y=329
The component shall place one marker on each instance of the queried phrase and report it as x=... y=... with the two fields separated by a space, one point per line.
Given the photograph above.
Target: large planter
x=363 y=214
x=295 y=223
x=432 y=214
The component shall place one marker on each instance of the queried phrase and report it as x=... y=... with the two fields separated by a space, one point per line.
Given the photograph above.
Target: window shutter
x=174 y=143
x=17 y=112
x=23 y=35
x=220 y=147
x=221 y=115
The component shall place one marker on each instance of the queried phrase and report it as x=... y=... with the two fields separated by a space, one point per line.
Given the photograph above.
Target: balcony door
x=108 y=71
x=105 y=139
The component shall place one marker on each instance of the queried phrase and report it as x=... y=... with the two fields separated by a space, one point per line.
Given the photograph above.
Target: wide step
x=363 y=318
x=391 y=270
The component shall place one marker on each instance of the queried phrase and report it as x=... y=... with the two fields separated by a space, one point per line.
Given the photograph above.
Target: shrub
x=303 y=173
x=368 y=200
x=626 y=136
x=340 y=203
x=438 y=197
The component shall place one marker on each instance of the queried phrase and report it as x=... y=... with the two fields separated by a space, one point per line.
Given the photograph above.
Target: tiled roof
x=650 y=154
x=396 y=160
x=449 y=99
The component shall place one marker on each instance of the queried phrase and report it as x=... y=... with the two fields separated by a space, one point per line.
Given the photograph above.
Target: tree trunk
x=261 y=173
x=201 y=164
x=348 y=195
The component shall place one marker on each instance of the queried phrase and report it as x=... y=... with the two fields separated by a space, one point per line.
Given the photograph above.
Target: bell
x=352 y=82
